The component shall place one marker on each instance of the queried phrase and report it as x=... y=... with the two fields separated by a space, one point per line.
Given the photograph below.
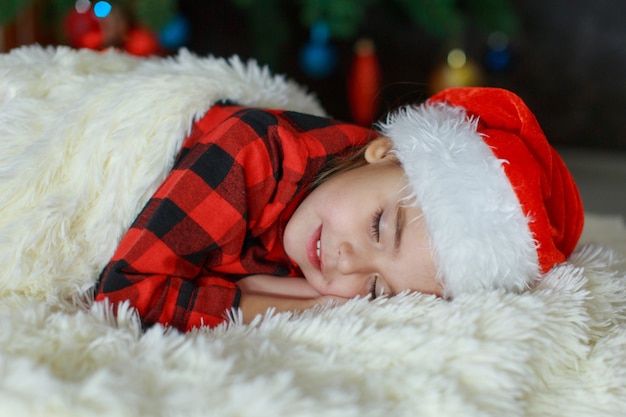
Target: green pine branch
x=10 y=9
x=154 y=14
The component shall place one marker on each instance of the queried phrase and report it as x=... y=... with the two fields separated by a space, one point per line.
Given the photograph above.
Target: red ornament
x=364 y=83
x=79 y=25
x=141 y=42
x=92 y=40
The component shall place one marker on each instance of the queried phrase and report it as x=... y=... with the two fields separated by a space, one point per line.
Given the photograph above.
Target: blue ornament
x=499 y=52
x=498 y=60
x=175 y=34
x=102 y=9
x=318 y=60
x=320 y=32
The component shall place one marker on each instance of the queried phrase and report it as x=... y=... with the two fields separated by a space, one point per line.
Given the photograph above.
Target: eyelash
x=375 y=232
x=373 y=288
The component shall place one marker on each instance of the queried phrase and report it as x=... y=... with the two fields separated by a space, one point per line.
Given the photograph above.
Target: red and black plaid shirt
x=220 y=214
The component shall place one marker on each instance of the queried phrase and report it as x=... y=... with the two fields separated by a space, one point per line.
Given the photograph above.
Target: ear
x=378 y=150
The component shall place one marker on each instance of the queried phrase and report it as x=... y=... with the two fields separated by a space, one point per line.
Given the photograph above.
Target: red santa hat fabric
x=500 y=205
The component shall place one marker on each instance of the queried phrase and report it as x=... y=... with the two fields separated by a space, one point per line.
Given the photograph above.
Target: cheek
x=346 y=287
x=345 y=207
x=294 y=234
x=424 y=275
x=430 y=285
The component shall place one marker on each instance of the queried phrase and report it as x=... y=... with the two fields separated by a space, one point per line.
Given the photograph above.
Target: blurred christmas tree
x=141 y=27
x=333 y=23
x=154 y=14
x=343 y=19
x=11 y=8
x=269 y=21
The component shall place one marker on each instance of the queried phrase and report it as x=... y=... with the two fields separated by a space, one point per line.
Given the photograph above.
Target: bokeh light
x=102 y=9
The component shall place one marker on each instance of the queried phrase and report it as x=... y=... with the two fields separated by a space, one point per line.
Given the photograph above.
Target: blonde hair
x=340 y=165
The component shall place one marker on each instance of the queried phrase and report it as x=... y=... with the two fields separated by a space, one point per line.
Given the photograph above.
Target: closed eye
x=373 y=288
x=375 y=225
x=377 y=287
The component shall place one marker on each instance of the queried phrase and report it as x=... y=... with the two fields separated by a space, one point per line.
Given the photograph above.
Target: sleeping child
x=278 y=209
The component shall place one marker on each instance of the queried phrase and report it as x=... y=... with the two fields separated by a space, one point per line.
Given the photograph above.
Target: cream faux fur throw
x=84 y=140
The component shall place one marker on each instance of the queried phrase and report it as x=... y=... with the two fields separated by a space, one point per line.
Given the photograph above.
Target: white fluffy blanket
x=84 y=140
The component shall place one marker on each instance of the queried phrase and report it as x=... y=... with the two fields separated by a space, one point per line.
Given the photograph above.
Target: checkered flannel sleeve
x=179 y=261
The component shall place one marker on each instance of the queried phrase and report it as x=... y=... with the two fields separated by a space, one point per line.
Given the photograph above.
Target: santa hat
x=499 y=204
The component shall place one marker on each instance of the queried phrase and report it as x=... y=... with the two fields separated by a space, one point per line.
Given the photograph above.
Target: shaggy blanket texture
x=85 y=138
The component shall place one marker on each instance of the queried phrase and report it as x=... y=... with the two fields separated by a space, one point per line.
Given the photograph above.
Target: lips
x=314 y=250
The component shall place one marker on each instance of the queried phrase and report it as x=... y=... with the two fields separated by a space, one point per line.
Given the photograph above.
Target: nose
x=352 y=260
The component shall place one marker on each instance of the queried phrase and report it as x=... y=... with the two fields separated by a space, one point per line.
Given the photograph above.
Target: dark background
x=569 y=61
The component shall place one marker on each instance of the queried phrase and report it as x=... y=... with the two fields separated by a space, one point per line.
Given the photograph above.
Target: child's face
x=369 y=239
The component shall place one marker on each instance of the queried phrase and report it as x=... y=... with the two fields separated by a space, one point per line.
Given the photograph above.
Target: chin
x=313 y=279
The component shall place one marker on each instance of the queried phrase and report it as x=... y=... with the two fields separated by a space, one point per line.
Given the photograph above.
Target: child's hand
x=261 y=292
